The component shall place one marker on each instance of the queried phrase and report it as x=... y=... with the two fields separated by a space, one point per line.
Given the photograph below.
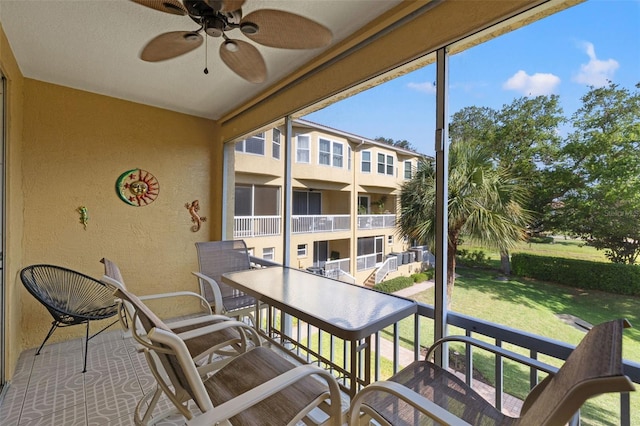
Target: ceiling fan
x=269 y=27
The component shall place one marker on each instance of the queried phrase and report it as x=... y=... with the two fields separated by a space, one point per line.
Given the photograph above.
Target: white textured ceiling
x=93 y=45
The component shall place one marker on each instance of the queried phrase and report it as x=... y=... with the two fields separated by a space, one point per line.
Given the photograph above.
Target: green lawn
x=561 y=247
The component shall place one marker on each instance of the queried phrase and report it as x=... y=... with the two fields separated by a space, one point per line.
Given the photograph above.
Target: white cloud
x=532 y=85
x=595 y=72
x=427 y=87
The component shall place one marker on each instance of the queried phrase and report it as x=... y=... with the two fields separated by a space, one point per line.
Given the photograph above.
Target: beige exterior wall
x=339 y=188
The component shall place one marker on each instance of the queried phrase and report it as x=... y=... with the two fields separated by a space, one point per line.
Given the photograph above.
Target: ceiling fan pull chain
x=206 y=55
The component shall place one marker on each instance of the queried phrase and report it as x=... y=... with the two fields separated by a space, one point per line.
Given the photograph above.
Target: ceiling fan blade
x=174 y=7
x=244 y=59
x=231 y=5
x=277 y=28
x=169 y=45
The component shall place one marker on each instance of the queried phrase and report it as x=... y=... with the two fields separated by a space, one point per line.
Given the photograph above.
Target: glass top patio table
x=350 y=312
x=346 y=310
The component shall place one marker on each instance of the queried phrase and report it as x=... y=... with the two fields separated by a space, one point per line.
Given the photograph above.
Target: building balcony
x=51 y=389
x=256 y=226
x=264 y=226
x=376 y=221
x=320 y=223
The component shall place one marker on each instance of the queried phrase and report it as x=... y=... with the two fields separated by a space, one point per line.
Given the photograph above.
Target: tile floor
x=50 y=389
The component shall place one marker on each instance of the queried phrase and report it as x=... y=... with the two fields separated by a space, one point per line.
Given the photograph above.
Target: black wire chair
x=70 y=297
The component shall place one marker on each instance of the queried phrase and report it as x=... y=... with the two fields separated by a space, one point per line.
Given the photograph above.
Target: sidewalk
x=510 y=405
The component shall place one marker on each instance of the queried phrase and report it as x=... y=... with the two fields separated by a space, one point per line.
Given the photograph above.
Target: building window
x=337 y=154
x=381 y=164
x=390 y=239
x=324 y=149
x=302 y=149
x=330 y=153
x=268 y=253
x=348 y=157
x=385 y=164
x=302 y=250
x=275 y=146
x=407 y=169
x=252 y=145
x=366 y=162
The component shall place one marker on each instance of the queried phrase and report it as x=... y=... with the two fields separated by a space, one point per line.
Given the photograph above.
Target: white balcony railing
x=389 y=265
x=376 y=221
x=256 y=226
x=320 y=223
x=339 y=270
x=367 y=261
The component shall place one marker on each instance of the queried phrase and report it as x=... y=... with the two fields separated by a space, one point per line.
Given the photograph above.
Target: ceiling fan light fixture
x=214 y=27
x=249 y=28
x=231 y=46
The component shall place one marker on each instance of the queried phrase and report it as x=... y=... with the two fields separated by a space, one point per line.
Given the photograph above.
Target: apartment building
x=345 y=192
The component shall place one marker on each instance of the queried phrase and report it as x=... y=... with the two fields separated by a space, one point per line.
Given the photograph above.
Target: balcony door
x=320 y=253
x=306 y=203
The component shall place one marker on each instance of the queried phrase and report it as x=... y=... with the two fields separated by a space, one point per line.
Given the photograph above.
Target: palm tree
x=485 y=204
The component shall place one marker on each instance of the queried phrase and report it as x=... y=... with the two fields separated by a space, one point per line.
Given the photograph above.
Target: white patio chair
x=256 y=387
x=211 y=343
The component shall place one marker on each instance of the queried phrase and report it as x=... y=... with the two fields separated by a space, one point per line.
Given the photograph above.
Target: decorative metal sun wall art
x=137 y=187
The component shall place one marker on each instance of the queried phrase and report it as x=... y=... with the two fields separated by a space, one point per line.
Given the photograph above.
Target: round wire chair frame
x=71 y=298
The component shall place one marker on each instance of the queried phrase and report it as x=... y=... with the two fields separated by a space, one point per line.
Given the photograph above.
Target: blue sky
x=587 y=44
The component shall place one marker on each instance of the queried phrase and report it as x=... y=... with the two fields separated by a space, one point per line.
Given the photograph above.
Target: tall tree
x=521 y=136
x=485 y=204
x=399 y=143
x=604 y=156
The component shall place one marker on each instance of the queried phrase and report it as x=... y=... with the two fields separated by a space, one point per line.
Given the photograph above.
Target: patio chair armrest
x=417 y=401
x=265 y=390
x=185 y=322
x=243 y=328
x=530 y=362
x=204 y=280
x=203 y=302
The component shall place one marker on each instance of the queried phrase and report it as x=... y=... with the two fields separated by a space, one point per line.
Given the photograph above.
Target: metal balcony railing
x=320 y=223
x=256 y=226
x=407 y=340
x=376 y=221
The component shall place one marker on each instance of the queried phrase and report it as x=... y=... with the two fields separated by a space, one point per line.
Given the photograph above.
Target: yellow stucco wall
x=12 y=260
x=76 y=144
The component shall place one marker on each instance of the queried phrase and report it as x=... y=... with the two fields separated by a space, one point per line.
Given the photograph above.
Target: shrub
x=394 y=284
x=609 y=277
x=472 y=258
x=419 y=277
x=541 y=240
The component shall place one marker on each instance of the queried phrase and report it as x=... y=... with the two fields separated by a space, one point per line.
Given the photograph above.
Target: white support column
x=287 y=322
x=287 y=192
x=442 y=173
x=228 y=190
